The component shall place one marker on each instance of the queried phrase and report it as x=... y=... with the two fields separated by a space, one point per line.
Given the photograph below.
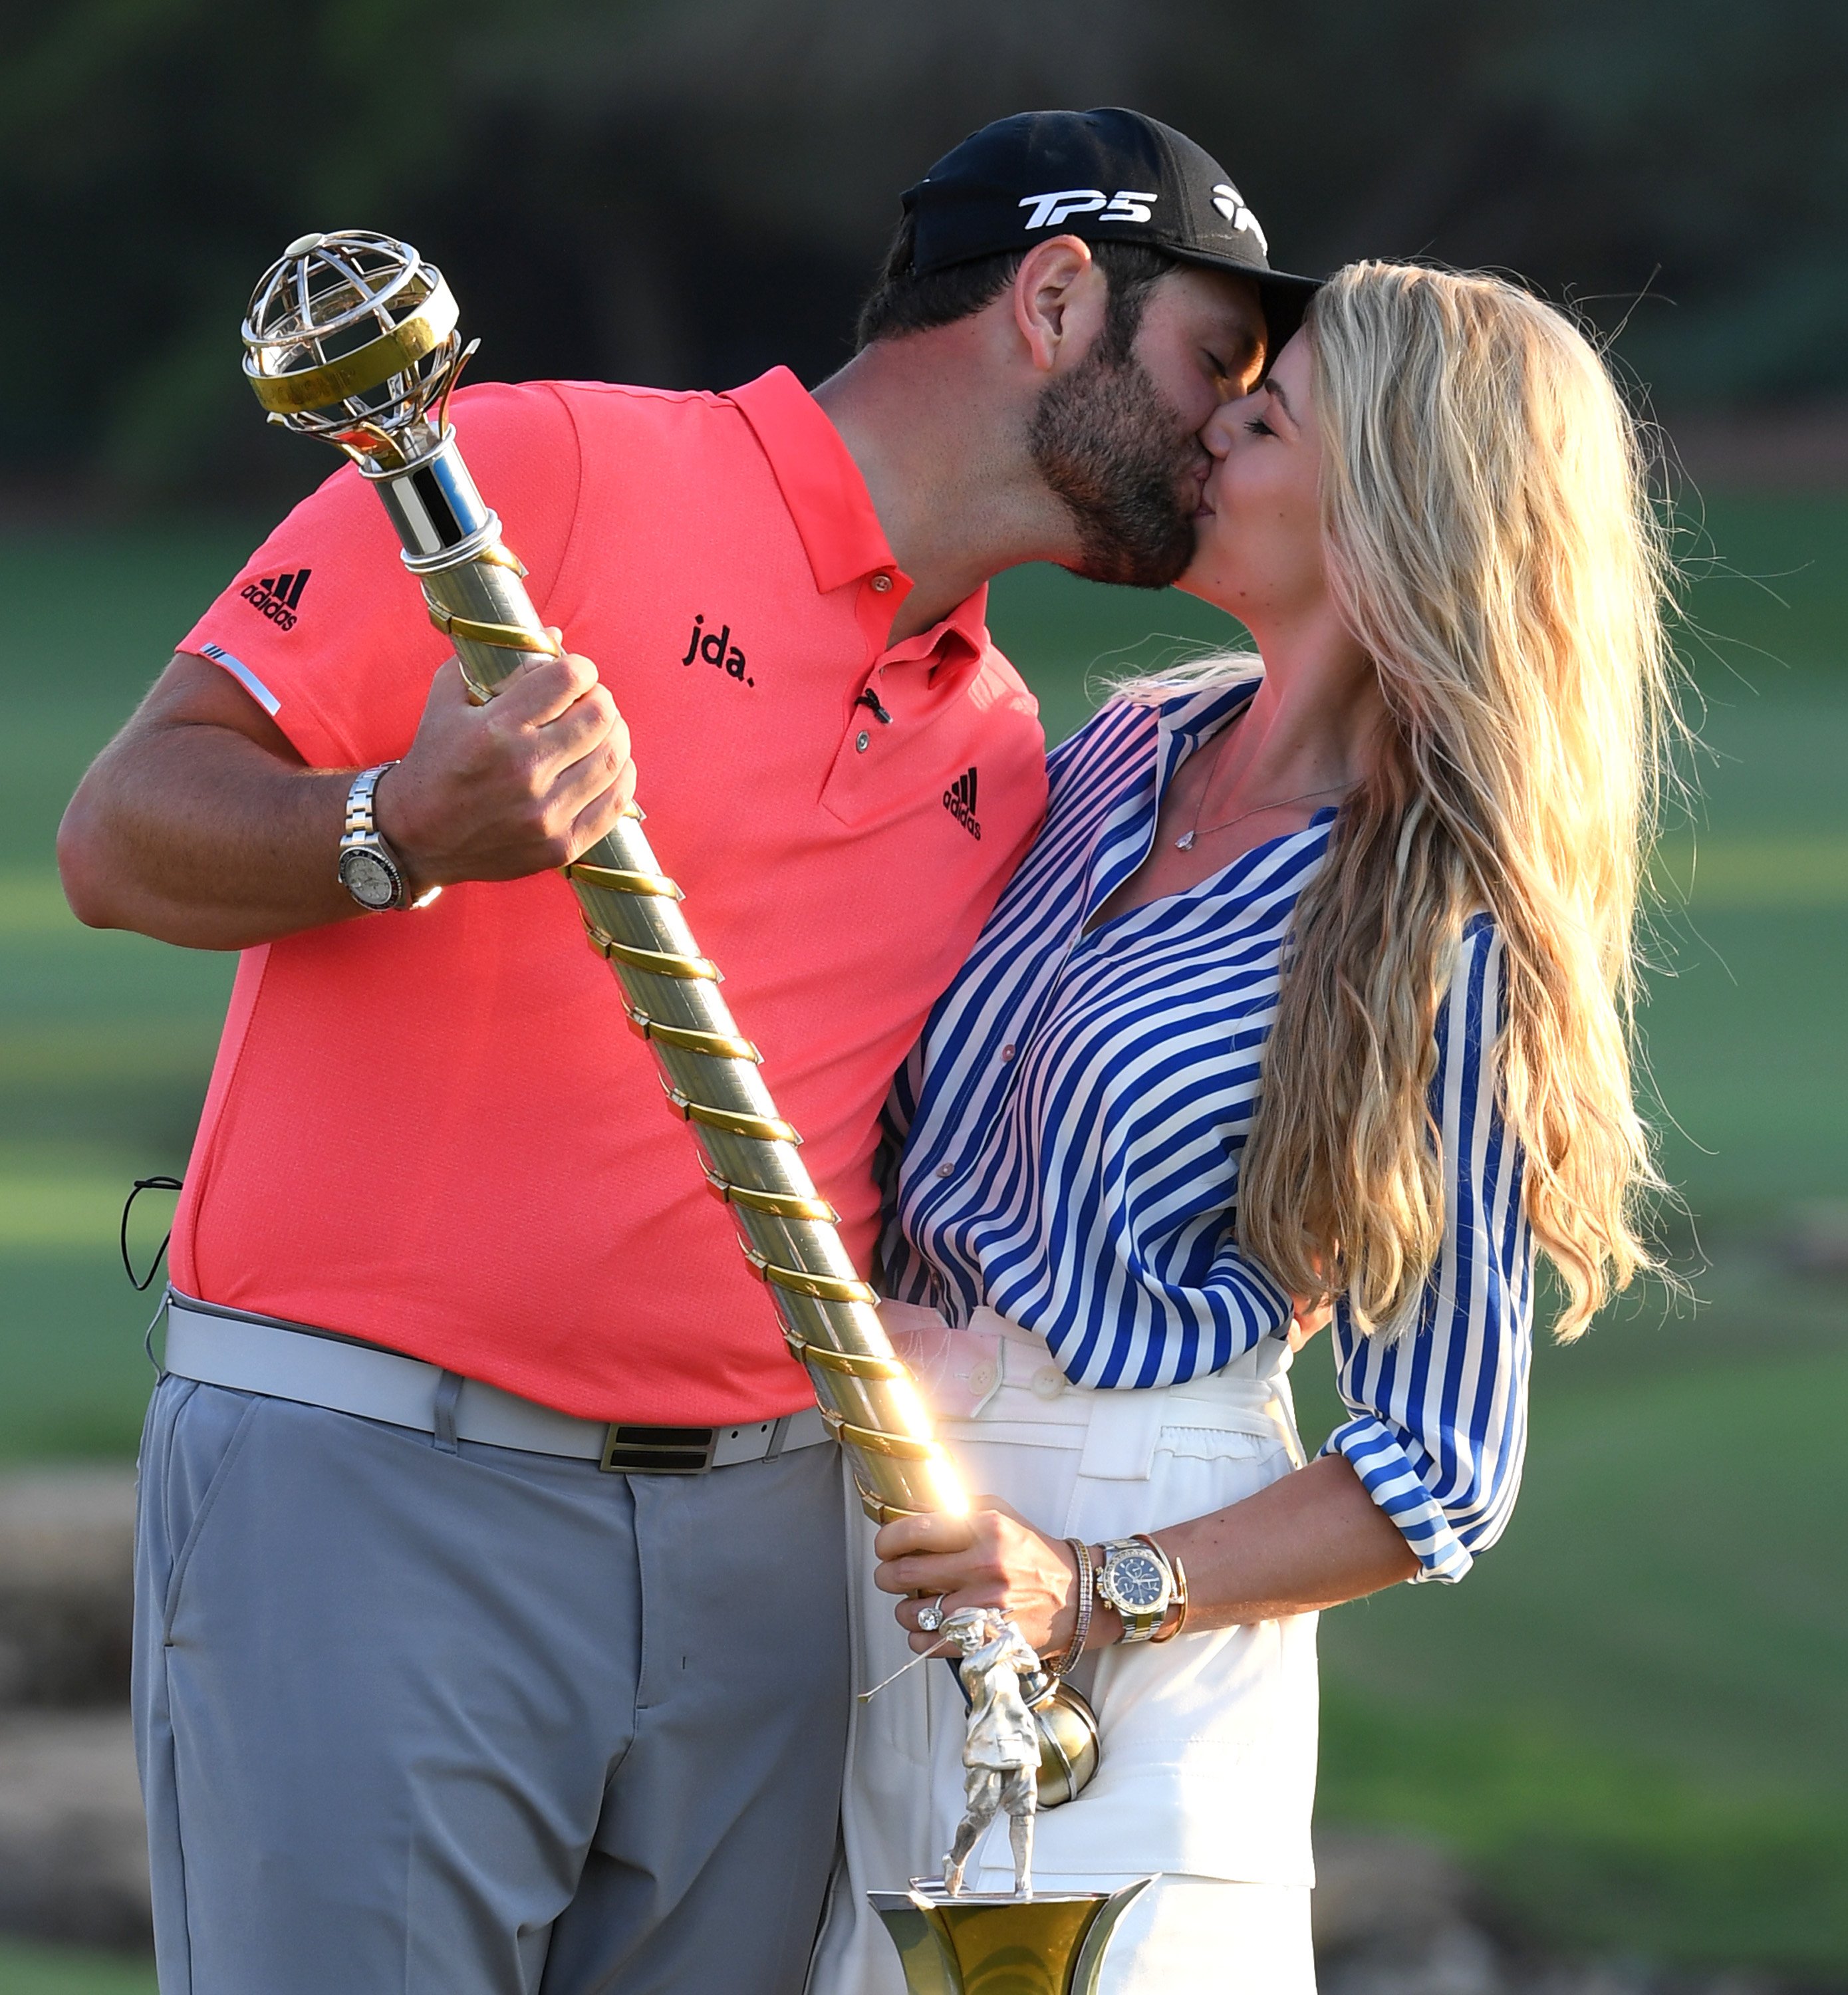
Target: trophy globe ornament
x=352 y=337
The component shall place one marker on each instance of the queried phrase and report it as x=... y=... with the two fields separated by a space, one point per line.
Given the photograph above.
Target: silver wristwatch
x=1137 y=1580
x=369 y=869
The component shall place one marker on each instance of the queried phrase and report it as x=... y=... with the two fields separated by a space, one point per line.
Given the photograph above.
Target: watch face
x=367 y=878
x=1138 y=1581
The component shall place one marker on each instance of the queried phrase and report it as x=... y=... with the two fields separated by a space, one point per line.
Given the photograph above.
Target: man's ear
x=1058 y=296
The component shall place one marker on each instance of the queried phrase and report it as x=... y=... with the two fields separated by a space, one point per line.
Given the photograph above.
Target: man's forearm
x=199 y=824
x=196 y=836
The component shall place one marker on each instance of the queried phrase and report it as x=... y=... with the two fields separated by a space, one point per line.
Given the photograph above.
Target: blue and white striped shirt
x=1074 y=1118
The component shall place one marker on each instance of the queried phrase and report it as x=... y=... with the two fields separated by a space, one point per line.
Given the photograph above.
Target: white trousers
x=1207 y=1774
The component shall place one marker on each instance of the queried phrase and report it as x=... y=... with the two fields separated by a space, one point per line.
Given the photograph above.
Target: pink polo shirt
x=434 y=1130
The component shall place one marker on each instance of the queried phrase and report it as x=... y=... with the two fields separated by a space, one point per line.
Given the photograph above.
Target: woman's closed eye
x=1257 y=426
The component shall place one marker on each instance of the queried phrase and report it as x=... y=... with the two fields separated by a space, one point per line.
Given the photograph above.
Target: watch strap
x=361 y=833
x=360 y=827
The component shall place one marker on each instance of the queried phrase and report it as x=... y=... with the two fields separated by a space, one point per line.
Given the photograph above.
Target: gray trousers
x=461 y=1720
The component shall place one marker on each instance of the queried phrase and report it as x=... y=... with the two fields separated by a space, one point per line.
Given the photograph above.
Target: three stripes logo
x=959 y=800
x=277 y=596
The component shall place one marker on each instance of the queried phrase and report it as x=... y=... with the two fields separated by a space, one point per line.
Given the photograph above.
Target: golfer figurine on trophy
x=352 y=338
x=1001 y=1747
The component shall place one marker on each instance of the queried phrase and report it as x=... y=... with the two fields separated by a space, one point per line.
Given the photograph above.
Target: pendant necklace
x=1185 y=842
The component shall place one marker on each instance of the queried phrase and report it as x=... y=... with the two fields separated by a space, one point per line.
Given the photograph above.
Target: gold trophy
x=1042 y=1946
x=352 y=338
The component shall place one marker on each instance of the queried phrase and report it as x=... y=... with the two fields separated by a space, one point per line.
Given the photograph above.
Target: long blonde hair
x=1489 y=538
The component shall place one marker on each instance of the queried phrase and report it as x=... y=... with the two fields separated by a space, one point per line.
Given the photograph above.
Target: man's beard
x=1118 y=454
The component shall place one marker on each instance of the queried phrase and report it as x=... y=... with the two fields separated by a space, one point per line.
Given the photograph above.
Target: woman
x=1392 y=870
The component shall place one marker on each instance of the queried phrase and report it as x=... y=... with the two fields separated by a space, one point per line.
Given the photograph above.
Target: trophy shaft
x=710 y=1071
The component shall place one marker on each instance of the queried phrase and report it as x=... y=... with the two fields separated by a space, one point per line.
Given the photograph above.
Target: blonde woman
x=1315 y=985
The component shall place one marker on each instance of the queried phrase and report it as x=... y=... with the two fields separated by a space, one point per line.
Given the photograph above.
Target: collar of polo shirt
x=827 y=498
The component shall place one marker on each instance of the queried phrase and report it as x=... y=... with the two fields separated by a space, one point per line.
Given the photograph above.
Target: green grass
x=105 y=1040
x=1630 y=1717
x=1768 y=586
x=1636 y=1693
x=58 y=1970
x=1589 y=1846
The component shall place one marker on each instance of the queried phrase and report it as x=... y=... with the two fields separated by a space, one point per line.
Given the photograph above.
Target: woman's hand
x=992 y=1557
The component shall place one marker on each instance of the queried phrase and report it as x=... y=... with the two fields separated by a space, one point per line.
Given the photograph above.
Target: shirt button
x=984 y=1377
x=1048 y=1383
x=945 y=1170
x=1006 y=1052
x=882 y=583
x=861 y=742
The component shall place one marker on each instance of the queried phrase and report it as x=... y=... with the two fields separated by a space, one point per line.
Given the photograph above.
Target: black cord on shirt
x=141 y=1185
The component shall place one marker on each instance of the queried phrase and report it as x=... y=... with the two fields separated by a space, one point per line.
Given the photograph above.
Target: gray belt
x=256 y=1354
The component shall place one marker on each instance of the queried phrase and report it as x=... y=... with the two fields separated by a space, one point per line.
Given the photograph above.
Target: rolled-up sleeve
x=1439 y=1424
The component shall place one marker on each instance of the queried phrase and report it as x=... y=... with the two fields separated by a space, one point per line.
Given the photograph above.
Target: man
x=443 y=1682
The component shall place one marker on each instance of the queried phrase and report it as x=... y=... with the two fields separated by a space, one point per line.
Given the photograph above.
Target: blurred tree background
x=680 y=191
x=1629 y=1721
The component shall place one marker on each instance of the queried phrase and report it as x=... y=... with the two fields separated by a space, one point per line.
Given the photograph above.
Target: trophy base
x=993 y=1943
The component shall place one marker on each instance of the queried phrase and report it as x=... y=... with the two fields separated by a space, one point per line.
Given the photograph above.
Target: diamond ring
x=931 y=1618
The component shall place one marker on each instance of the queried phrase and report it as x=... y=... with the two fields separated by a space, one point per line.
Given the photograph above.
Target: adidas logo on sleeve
x=277 y=595
x=959 y=800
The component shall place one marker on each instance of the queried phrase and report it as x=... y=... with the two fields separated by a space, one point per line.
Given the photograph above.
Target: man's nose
x=1216 y=436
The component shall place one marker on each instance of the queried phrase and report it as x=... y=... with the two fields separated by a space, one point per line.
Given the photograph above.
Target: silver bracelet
x=1087 y=1601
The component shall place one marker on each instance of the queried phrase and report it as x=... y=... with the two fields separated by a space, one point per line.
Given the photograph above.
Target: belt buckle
x=638 y=1450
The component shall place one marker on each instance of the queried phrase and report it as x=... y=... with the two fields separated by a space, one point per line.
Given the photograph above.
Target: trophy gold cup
x=1042 y=1946
x=351 y=337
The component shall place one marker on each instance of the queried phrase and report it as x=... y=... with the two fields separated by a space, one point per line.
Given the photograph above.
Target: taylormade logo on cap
x=1231 y=203
x=1049 y=210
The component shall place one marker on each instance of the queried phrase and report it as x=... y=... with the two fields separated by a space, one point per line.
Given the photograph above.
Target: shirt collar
x=827 y=498
x=1187 y=718
x=820 y=482
x=1182 y=720
x=961 y=635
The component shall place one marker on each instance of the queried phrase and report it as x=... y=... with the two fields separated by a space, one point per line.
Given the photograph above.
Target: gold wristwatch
x=1136 y=1579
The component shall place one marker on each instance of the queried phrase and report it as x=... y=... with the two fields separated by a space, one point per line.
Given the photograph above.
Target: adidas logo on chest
x=959 y=800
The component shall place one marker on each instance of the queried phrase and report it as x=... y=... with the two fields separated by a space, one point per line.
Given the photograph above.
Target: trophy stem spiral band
x=845 y=1360
x=631 y=905
x=624 y=883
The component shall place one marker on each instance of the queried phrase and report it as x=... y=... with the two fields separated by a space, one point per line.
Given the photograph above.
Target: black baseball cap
x=1105 y=176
